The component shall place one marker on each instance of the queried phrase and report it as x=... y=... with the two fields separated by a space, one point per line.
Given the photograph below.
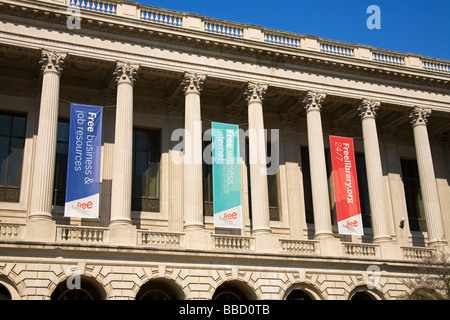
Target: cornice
x=136 y=31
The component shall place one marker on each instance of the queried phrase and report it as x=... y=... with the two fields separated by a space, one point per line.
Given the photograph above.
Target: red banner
x=348 y=209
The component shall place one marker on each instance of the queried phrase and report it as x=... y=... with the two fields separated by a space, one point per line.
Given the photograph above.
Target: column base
x=437 y=243
x=42 y=229
x=122 y=234
x=262 y=231
x=382 y=239
x=323 y=235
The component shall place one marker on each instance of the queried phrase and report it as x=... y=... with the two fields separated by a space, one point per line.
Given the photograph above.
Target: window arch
x=361 y=295
x=233 y=290
x=299 y=295
x=159 y=290
x=4 y=293
x=87 y=291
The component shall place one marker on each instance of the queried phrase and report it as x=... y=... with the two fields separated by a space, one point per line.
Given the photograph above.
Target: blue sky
x=415 y=26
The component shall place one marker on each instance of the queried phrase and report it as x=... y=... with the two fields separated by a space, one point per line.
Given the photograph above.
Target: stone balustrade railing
x=134 y=10
x=229 y=242
x=162 y=239
x=81 y=234
x=417 y=253
x=11 y=231
x=299 y=246
x=361 y=250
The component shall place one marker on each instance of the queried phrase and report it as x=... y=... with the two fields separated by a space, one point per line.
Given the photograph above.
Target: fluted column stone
x=44 y=161
x=419 y=118
x=126 y=74
x=257 y=154
x=193 y=178
x=319 y=181
x=377 y=194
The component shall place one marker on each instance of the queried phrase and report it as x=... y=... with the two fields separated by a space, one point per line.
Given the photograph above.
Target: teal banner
x=226 y=176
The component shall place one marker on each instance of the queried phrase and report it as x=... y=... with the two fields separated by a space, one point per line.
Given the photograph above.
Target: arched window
x=4 y=293
x=156 y=290
x=358 y=296
x=230 y=291
x=87 y=291
x=299 y=295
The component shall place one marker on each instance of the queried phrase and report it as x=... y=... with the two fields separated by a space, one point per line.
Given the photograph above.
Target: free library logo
x=83 y=165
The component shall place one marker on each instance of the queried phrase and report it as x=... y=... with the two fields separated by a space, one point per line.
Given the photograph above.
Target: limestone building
x=155 y=71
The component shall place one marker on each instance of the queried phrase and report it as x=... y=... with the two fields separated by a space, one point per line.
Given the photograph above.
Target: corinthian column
x=319 y=182
x=193 y=178
x=427 y=178
x=44 y=161
x=377 y=194
x=123 y=145
x=257 y=152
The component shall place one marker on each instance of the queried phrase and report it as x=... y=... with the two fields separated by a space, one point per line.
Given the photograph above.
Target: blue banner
x=83 y=164
x=226 y=176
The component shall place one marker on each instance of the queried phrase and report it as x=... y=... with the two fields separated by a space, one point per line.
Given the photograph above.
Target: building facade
x=155 y=71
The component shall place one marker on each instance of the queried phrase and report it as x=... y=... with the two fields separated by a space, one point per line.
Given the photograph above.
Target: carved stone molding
x=193 y=82
x=126 y=72
x=368 y=108
x=52 y=61
x=255 y=92
x=419 y=116
x=312 y=100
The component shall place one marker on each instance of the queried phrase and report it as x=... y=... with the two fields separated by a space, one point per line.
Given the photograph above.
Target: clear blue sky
x=415 y=26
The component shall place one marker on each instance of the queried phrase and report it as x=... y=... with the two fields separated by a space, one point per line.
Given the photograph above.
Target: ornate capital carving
x=126 y=72
x=368 y=108
x=52 y=61
x=313 y=100
x=193 y=82
x=419 y=116
x=255 y=91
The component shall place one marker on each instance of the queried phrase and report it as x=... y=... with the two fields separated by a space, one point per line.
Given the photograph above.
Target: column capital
x=126 y=72
x=255 y=91
x=313 y=100
x=368 y=108
x=419 y=116
x=52 y=61
x=193 y=82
